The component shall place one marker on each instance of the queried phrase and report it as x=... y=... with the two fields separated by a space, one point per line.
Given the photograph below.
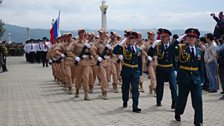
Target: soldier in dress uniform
x=130 y=72
x=164 y=69
x=188 y=77
x=82 y=53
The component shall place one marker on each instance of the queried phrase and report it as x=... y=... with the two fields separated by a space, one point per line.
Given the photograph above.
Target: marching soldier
x=143 y=60
x=130 y=72
x=94 y=70
x=113 y=69
x=188 y=77
x=103 y=50
x=50 y=58
x=118 y=64
x=60 y=51
x=151 y=65
x=59 y=61
x=164 y=69
x=81 y=51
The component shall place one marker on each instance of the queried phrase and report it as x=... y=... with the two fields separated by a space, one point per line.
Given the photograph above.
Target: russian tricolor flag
x=55 y=32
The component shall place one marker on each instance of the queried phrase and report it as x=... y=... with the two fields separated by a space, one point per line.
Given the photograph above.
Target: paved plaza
x=30 y=97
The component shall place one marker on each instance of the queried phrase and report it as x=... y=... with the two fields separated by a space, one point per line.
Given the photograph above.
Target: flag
x=55 y=32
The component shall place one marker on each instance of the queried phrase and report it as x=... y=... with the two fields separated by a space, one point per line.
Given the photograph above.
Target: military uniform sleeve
x=152 y=51
x=118 y=50
x=57 y=50
x=70 y=50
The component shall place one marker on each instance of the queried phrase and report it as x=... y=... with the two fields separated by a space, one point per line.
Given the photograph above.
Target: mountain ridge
x=19 y=33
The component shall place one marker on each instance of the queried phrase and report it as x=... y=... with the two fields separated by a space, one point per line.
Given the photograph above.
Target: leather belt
x=165 y=65
x=130 y=65
x=189 y=68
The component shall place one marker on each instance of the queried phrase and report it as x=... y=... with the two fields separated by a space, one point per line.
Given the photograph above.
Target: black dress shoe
x=159 y=104
x=198 y=124
x=137 y=110
x=177 y=117
x=125 y=105
x=173 y=105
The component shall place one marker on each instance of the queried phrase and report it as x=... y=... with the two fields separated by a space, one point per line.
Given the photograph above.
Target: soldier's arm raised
x=176 y=42
x=118 y=50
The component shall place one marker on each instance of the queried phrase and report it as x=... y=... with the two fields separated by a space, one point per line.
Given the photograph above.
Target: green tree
x=2 y=29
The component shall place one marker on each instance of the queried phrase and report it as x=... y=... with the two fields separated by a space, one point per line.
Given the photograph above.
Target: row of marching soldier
x=84 y=59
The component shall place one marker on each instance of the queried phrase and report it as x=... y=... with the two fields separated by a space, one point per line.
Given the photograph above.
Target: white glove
x=155 y=43
x=77 y=59
x=181 y=37
x=87 y=45
x=120 y=57
x=108 y=46
x=50 y=61
x=99 y=59
x=122 y=42
x=54 y=59
x=62 y=55
x=149 y=58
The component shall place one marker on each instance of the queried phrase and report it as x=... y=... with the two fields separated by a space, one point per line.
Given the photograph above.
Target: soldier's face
x=139 y=37
x=191 y=40
x=165 y=38
x=82 y=35
x=151 y=36
x=132 y=41
x=102 y=35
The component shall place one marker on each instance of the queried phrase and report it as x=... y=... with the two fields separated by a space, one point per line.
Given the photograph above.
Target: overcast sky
x=122 y=14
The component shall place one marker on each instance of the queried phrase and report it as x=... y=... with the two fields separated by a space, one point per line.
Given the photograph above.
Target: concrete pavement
x=30 y=97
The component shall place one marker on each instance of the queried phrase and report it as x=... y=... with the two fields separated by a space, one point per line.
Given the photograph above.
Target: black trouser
x=27 y=57
x=4 y=68
x=163 y=75
x=196 y=98
x=32 y=57
x=38 y=57
x=44 y=59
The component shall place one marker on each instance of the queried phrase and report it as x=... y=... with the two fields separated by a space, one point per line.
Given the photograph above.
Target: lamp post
x=9 y=35
x=28 y=33
x=103 y=9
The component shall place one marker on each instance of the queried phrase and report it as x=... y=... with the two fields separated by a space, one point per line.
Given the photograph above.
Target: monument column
x=103 y=9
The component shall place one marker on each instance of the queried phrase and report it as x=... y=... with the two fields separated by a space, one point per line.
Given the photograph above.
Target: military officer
x=130 y=72
x=164 y=69
x=188 y=77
